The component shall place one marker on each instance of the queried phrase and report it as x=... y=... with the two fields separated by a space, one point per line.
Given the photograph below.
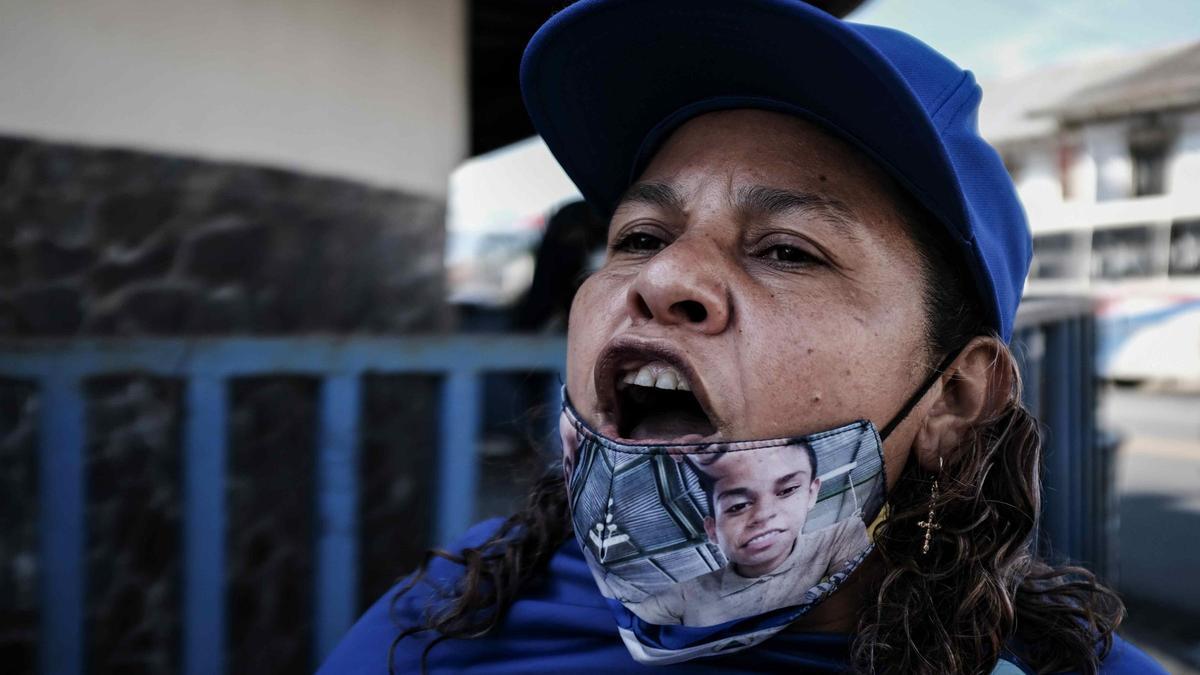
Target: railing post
x=1058 y=417
x=458 y=456
x=61 y=485
x=336 y=592
x=1091 y=545
x=205 y=440
x=1031 y=348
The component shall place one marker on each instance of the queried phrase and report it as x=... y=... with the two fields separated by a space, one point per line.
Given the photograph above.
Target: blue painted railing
x=1053 y=341
x=60 y=369
x=1055 y=344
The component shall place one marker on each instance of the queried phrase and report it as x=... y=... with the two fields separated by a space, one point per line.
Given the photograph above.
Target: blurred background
x=283 y=285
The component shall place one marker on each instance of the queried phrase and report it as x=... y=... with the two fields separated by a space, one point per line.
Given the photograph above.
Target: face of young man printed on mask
x=699 y=535
x=759 y=504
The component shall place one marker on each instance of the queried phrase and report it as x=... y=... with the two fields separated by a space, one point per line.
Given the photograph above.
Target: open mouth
x=762 y=540
x=655 y=401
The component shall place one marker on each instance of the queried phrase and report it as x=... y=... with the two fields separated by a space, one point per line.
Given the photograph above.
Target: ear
x=710 y=528
x=813 y=491
x=974 y=387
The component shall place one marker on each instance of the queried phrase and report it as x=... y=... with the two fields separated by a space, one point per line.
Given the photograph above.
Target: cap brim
x=605 y=81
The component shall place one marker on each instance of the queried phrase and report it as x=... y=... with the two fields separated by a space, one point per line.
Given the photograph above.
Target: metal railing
x=1053 y=341
x=1055 y=344
x=60 y=369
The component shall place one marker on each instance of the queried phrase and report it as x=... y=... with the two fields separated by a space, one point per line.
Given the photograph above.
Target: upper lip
x=627 y=353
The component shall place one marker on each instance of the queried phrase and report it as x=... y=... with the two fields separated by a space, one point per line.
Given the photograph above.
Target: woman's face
x=764 y=263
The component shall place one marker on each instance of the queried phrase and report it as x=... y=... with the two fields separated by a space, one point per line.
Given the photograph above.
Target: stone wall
x=270 y=487
x=105 y=242
x=134 y=513
x=111 y=242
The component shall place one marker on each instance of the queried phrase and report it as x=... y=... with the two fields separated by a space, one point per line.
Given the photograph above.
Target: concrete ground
x=1158 y=478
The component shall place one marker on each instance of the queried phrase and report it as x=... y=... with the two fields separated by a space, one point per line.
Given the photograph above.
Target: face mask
x=709 y=548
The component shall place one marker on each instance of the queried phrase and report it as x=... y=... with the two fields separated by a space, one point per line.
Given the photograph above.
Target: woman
x=808 y=242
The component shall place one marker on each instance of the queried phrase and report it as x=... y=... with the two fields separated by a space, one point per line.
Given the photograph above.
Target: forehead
x=742 y=148
x=765 y=464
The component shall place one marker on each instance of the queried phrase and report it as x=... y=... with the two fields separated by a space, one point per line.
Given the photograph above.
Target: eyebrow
x=790 y=476
x=745 y=492
x=653 y=194
x=763 y=200
x=733 y=492
x=754 y=201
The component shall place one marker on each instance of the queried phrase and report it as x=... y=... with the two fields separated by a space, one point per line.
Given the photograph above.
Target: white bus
x=1139 y=259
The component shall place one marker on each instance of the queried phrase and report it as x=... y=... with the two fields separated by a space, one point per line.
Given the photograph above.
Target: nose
x=764 y=512
x=685 y=284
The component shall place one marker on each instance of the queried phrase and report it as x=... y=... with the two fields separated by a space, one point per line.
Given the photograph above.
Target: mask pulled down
x=703 y=549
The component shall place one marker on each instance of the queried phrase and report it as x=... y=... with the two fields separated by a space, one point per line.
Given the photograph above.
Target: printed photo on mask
x=709 y=534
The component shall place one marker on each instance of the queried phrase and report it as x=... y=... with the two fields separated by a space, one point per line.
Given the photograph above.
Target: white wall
x=1183 y=167
x=373 y=90
x=1082 y=173
x=1108 y=145
x=1037 y=180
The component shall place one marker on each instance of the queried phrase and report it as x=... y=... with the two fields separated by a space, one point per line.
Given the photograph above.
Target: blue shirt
x=564 y=627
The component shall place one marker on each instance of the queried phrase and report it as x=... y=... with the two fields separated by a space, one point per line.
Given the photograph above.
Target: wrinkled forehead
x=738 y=151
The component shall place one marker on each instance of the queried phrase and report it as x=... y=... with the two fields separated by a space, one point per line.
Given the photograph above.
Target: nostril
x=693 y=310
x=642 y=308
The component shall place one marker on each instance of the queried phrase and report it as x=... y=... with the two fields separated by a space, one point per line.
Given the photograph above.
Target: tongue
x=675 y=426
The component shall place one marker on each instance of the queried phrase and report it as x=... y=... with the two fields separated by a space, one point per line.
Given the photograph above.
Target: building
x=1106 y=158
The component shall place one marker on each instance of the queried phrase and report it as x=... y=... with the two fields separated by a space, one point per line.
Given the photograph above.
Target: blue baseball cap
x=606 y=82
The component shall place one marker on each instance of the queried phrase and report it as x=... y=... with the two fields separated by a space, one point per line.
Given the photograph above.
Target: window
x=1149 y=141
x=1054 y=257
x=1185 y=248
x=1149 y=170
x=1123 y=252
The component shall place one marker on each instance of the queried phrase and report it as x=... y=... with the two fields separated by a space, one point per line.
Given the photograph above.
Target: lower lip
x=610 y=431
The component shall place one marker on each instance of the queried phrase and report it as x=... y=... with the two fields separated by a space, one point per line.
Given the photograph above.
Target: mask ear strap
x=919 y=394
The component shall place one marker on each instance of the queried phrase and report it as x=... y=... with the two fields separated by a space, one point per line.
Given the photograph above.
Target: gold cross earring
x=929 y=524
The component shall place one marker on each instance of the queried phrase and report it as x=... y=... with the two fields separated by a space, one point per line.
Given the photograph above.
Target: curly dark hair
x=978 y=591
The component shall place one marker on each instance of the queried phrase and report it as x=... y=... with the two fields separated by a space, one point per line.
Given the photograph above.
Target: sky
x=1001 y=38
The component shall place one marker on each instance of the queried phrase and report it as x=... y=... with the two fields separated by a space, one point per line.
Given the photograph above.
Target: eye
x=792 y=255
x=788 y=491
x=639 y=242
x=737 y=508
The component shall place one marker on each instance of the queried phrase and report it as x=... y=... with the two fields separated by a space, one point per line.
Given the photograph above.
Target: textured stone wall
x=108 y=242
x=104 y=242
x=134 y=498
x=270 y=491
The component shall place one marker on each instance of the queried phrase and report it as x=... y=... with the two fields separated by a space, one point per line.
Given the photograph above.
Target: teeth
x=667 y=379
x=644 y=378
x=761 y=536
x=658 y=375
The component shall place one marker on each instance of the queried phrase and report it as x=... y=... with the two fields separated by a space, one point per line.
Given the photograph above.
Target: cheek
x=596 y=307
x=727 y=530
x=896 y=451
x=795 y=507
x=839 y=357
x=811 y=353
